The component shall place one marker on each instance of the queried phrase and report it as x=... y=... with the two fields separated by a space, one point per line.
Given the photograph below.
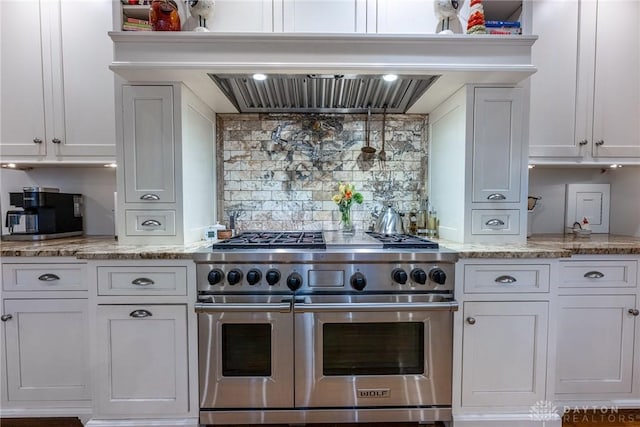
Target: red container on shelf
x=163 y=15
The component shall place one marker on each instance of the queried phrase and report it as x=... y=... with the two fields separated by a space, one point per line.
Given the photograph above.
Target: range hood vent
x=319 y=93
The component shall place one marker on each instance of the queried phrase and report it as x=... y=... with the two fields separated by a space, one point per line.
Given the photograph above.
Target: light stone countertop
x=537 y=246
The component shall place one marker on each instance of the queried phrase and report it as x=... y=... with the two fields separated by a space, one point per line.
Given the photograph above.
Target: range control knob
x=272 y=276
x=419 y=276
x=294 y=281
x=253 y=276
x=234 y=276
x=437 y=275
x=358 y=281
x=215 y=276
x=399 y=275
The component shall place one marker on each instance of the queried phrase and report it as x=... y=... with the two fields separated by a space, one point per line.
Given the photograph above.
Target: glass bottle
x=164 y=16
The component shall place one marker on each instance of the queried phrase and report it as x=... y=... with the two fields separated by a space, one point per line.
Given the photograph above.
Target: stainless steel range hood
x=319 y=93
x=217 y=67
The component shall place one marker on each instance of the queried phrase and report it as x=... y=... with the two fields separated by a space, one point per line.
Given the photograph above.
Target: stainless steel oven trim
x=374 y=307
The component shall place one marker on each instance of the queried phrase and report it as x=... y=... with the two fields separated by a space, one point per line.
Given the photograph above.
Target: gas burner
x=274 y=240
x=399 y=241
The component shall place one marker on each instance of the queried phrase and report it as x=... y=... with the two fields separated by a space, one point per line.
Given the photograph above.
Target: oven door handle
x=281 y=307
x=375 y=306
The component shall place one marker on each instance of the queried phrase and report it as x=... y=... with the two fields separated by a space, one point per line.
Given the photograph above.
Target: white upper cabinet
x=57 y=90
x=329 y=16
x=584 y=97
x=404 y=16
x=245 y=16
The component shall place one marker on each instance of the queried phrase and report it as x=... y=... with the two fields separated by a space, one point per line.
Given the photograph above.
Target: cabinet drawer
x=150 y=223
x=142 y=280
x=596 y=274
x=44 y=277
x=498 y=278
x=498 y=221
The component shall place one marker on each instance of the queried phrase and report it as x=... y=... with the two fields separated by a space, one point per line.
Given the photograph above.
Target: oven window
x=373 y=348
x=246 y=350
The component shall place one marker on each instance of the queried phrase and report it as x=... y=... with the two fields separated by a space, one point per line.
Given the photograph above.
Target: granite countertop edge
x=106 y=248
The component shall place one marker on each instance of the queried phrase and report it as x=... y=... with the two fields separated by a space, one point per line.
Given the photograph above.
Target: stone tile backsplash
x=279 y=171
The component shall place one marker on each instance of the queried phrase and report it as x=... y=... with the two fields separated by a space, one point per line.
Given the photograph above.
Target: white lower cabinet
x=595 y=344
x=504 y=353
x=44 y=338
x=142 y=360
x=46 y=349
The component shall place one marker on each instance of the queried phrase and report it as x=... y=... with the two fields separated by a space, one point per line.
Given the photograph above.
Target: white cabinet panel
x=495 y=221
x=149 y=144
x=47 y=349
x=504 y=353
x=44 y=277
x=244 y=16
x=509 y=278
x=142 y=360
x=497 y=144
x=142 y=280
x=406 y=17
x=598 y=274
x=595 y=344
x=327 y=16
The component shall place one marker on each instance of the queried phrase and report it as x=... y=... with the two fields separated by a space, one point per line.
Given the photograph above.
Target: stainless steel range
x=303 y=327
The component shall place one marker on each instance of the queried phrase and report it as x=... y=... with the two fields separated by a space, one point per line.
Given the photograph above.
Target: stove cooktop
x=274 y=240
x=402 y=241
x=316 y=240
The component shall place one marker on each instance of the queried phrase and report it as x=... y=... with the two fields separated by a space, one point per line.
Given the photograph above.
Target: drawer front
x=150 y=223
x=482 y=278
x=498 y=221
x=142 y=280
x=599 y=274
x=44 y=277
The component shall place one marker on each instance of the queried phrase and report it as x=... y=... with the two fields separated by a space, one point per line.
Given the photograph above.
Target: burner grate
x=274 y=240
x=400 y=241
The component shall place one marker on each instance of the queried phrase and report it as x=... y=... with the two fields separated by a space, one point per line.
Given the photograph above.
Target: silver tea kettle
x=389 y=222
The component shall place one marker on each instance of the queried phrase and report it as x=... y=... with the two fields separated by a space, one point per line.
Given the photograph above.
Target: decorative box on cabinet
x=167 y=153
x=44 y=342
x=581 y=113
x=597 y=332
x=57 y=106
x=144 y=343
x=477 y=176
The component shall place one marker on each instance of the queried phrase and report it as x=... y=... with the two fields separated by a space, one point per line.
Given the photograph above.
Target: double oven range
x=303 y=327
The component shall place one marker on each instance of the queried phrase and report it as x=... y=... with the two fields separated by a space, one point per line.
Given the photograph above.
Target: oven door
x=373 y=350
x=245 y=352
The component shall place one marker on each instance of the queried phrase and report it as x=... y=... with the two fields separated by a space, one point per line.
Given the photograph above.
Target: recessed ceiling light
x=111 y=165
x=532 y=166
x=259 y=76
x=390 y=77
x=615 y=166
x=9 y=165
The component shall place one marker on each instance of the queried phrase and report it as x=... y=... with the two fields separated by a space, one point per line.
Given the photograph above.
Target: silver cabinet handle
x=583 y=142
x=494 y=222
x=471 y=320
x=505 y=279
x=6 y=317
x=599 y=143
x=282 y=307
x=151 y=222
x=149 y=196
x=496 y=196
x=632 y=311
x=375 y=307
x=593 y=275
x=48 y=277
x=56 y=140
x=37 y=141
x=142 y=281
x=140 y=313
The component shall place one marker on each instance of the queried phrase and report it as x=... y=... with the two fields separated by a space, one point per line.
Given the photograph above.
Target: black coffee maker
x=46 y=214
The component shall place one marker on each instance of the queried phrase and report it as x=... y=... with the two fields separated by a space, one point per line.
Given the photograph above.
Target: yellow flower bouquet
x=346 y=195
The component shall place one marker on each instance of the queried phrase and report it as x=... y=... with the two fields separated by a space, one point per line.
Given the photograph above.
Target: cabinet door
x=553 y=86
x=142 y=360
x=595 y=344
x=47 y=350
x=497 y=144
x=407 y=17
x=504 y=352
x=326 y=16
x=83 y=85
x=149 y=144
x=616 y=128
x=244 y=16
x=21 y=85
